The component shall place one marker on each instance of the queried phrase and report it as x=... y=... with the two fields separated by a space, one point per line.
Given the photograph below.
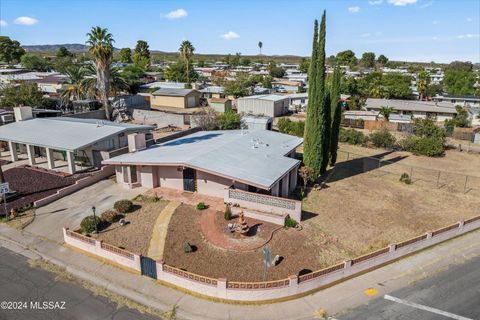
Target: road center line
x=425 y=308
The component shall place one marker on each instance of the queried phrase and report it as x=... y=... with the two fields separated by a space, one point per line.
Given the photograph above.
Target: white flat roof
x=269 y=97
x=255 y=157
x=63 y=133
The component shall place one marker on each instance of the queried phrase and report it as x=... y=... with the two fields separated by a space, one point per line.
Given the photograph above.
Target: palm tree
x=74 y=90
x=186 y=52
x=89 y=84
x=101 y=48
x=386 y=112
x=260 y=45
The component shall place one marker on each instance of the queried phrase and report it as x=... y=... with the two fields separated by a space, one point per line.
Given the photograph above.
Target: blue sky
x=420 y=30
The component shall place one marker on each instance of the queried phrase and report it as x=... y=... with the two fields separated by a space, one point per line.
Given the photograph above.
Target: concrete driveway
x=70 y=210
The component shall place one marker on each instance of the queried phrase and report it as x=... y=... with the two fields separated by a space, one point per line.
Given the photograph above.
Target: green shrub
x=88 y=224
x=431 y=147
x=123 y=206
x=295 y=128
x=351 y=136
x=187 y=247
x=290 y=223
x=405 y=178
x=139 y=198
x=382 y=139
x=154 y=198
x=201 y=206
x=109 y=216
x=228 y=213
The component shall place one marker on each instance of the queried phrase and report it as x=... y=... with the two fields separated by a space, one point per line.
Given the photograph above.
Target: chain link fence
x=350 y=164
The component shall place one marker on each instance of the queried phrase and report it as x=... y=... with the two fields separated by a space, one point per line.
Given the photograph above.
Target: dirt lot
x=136 y=235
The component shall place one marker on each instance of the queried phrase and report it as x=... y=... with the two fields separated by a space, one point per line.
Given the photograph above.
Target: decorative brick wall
x=271 y=290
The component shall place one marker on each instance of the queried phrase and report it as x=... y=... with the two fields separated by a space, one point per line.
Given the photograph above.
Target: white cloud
x=468 y=36
x=25 y=21
x=3 y=23
x=176 y=14
x=368 y=34
x=428 y=4
x=375 y=2
x=353 y=9
x=402 y=2
x=230 y=35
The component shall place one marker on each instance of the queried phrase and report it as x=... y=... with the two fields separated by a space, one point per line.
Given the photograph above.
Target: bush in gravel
x=351 y=136
x=88 y=224
x=382 y=139
x=187 y=247
x=201 y=206
x=228 y=213
x=123 y=206
x=405 y=178
x=109 y=216
x=154 y=198
x=431 y=147
x=290 y=223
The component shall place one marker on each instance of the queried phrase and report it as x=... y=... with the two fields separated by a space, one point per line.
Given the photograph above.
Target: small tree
x=229 y=120
x=386 y=112
x=88 y=224
x=306 y=173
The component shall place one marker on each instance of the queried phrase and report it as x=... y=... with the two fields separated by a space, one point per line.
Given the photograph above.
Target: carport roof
x=63 y=133
x=255 y=157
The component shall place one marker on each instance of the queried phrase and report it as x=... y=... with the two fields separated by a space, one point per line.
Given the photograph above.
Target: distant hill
x=73 y=47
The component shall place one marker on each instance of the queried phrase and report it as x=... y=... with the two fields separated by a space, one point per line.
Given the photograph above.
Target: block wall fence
x=259 y=291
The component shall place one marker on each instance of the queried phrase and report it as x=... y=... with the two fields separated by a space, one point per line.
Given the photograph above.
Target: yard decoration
x=242 y=226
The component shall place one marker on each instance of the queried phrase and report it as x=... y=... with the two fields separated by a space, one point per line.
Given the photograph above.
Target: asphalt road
x=452 y=294
x=21 y=283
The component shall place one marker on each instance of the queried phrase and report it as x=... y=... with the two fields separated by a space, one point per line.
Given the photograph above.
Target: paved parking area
x=70 y=210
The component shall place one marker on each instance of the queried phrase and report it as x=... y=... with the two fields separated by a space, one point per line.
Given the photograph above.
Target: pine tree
x=323 y=101
x=336 y=115
x=311 y=134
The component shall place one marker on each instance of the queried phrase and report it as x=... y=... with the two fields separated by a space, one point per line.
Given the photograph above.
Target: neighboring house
x=65 y=138
x=298 y=100
x=417 y=109
x=363 y=115
x=400 y=118
x=213 y=92
x=51 y=85
x=270 y=105
x=6 y=116
x=220 y=105
x=253 y=122
x=464 y=101
x=210 y=162
x=175 y=98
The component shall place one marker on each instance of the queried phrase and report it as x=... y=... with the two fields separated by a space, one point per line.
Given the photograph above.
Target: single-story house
x=175 y=98
x=63 y=138
x=415 y=108
x=400 y=118
x=269 y=105
x=253 y=122
x=364 y=115
x=464 y=101
x=213 y=92
x=220 y=105
x=209 y=162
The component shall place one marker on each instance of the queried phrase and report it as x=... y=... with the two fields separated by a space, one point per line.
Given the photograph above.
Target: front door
x=189 y=179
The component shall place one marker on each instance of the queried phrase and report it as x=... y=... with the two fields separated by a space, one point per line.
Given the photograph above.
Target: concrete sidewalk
x=335 y=299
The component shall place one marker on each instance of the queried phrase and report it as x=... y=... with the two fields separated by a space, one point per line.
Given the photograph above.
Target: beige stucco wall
x=148 y=176
x=170 y=177
x=212 y=185
x=175 y=102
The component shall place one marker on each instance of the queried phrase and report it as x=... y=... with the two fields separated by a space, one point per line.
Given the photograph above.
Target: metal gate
x=149 y=267
x=189 y=179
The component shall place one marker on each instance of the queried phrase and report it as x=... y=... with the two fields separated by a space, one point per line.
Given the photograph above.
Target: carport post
x=31 y=155
x=71 y=162
x=50 y=159
x=13 y=150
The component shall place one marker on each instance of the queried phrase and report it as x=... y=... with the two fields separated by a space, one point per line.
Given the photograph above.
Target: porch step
x=260 y=215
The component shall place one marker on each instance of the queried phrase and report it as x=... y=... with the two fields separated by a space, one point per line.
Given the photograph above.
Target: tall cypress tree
x=311 y=135
x=323 y=101
x=336 y=115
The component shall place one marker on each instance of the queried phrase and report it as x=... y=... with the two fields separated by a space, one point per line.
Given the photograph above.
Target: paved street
x=70 y=210
x=453 y=294
x=21 y=283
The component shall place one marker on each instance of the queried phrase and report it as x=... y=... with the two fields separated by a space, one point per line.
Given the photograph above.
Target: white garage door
x=191 y=102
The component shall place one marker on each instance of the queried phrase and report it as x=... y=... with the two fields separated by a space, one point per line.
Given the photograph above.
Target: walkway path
x=159 y=233
x=343 y=296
